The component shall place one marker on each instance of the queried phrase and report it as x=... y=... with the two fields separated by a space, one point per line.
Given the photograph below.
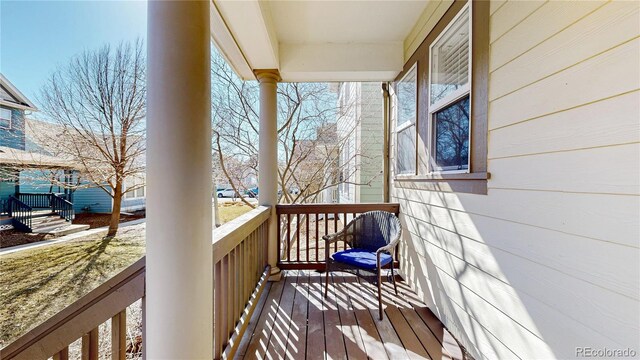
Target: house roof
x=322 y=40
x=12 y=97
x=26 y=159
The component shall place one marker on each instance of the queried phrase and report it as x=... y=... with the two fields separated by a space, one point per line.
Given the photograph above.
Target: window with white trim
x=138 y=183
x=5 y=118
x=406 y=113
x=449 y=93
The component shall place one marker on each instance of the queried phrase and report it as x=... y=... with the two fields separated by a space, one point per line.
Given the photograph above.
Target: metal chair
x=372 y=238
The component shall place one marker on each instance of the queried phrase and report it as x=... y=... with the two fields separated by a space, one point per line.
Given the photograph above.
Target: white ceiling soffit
x=322 y=40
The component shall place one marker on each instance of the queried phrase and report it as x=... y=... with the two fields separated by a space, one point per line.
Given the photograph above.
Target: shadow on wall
x=506 y=288
x=436 y=260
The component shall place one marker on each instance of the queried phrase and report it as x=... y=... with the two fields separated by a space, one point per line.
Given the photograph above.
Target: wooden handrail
x=81 y=317
x=227 y=236
x=336 y=208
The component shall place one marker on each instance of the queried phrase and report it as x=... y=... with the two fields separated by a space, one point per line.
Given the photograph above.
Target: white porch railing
x=240 y=274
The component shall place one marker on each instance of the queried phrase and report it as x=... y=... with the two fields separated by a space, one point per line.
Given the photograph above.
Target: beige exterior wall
x=549 y=259
x=362 y=124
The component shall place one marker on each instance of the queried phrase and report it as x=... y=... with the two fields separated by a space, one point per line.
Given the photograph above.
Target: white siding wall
x=549 y=259
x=348 y=128
x=371 y=142
x=365 y=115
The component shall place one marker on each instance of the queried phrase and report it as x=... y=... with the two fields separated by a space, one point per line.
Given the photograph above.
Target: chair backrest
x=374 y=229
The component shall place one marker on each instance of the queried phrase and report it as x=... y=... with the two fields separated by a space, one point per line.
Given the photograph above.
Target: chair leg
x=380 y=293
x=393 y=279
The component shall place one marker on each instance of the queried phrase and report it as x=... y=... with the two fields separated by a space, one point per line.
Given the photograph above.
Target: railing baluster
x=224 y=321
x=317 y=238
x=335 y=230
x=236 y=288
x=298 y=241
x=119 y=336
x=90 y=345
x=344 y=225
x=279 y=238
x=288 y=237
x=218 y=300
x=326 y=229
x=62 y=354
x=306 y=230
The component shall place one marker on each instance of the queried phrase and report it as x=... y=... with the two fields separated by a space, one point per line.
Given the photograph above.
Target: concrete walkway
x=78 y=235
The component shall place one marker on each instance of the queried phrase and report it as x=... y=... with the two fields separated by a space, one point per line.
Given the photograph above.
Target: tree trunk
x=115 y=210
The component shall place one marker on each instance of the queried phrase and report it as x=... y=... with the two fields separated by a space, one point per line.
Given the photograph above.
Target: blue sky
x=38 y=36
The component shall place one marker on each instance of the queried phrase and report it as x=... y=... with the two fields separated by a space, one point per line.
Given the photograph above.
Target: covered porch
x=537 y=259
x=246 y=288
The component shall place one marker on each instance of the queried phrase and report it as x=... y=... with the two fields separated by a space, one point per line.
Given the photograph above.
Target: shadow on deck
x=293 y=321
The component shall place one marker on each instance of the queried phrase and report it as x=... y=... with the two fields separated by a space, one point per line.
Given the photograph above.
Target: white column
x=268 y=158
x=179 y=269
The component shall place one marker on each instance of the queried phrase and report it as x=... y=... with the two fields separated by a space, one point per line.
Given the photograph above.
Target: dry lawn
x=37 y=283
x=231 y=210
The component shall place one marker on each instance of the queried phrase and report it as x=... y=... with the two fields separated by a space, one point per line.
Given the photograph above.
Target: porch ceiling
x=322 y=40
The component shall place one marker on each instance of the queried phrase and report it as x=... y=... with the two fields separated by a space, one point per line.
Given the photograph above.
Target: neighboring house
x=19 y=206
x=316 y=165
x=360 y=125
x=87 y=197
x=30 y=173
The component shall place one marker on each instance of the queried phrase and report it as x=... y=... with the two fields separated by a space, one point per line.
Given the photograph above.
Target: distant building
x=24 y=162
x=360 y=125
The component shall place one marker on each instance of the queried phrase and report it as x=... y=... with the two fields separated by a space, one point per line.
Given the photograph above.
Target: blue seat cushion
x=361 y=258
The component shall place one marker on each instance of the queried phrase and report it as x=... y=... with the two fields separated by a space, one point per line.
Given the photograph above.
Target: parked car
x=228 y=192
x=253 y=192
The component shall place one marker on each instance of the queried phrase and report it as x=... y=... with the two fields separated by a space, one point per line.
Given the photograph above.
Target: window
x=406 y=100
x=449 y=92
x=449 y=149
x=139 y=192
x=5 y=118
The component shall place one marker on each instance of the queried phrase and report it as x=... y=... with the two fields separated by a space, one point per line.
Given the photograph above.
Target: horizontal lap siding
x=94 y=200
x=549 y=260
x=371 y=146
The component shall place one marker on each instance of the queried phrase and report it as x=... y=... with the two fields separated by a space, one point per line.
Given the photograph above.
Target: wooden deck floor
x=293 y=321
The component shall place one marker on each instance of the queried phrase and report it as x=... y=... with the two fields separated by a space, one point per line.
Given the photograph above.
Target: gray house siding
x=7 y=188
x=93 y=200
x=14 y=137
x=32 y=181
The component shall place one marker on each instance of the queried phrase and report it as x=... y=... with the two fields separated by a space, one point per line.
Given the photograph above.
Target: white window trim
x=450 y=98
x=406 y=125
x=10 y=119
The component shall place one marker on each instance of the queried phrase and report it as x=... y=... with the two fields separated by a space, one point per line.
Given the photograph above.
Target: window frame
x=408 y=124
x=475 y=181
x=451 y=98
x=10 y=118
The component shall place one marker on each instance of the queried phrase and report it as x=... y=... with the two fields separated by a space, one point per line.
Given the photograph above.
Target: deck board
x=262 y=333
x=295 y=321
x=297 y=340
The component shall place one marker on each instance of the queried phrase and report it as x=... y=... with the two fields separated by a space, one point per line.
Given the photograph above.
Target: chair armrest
x=333 y=238
x=390 y=248
x=339 y=236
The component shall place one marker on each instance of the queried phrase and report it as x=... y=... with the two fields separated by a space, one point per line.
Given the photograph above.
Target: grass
x=35 y=284
x=231 y=210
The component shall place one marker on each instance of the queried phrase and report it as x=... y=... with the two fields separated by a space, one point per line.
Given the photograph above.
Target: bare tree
x=98 y=102
x=308 y=143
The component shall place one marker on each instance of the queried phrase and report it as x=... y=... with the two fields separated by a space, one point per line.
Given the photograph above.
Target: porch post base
x=276 y=274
